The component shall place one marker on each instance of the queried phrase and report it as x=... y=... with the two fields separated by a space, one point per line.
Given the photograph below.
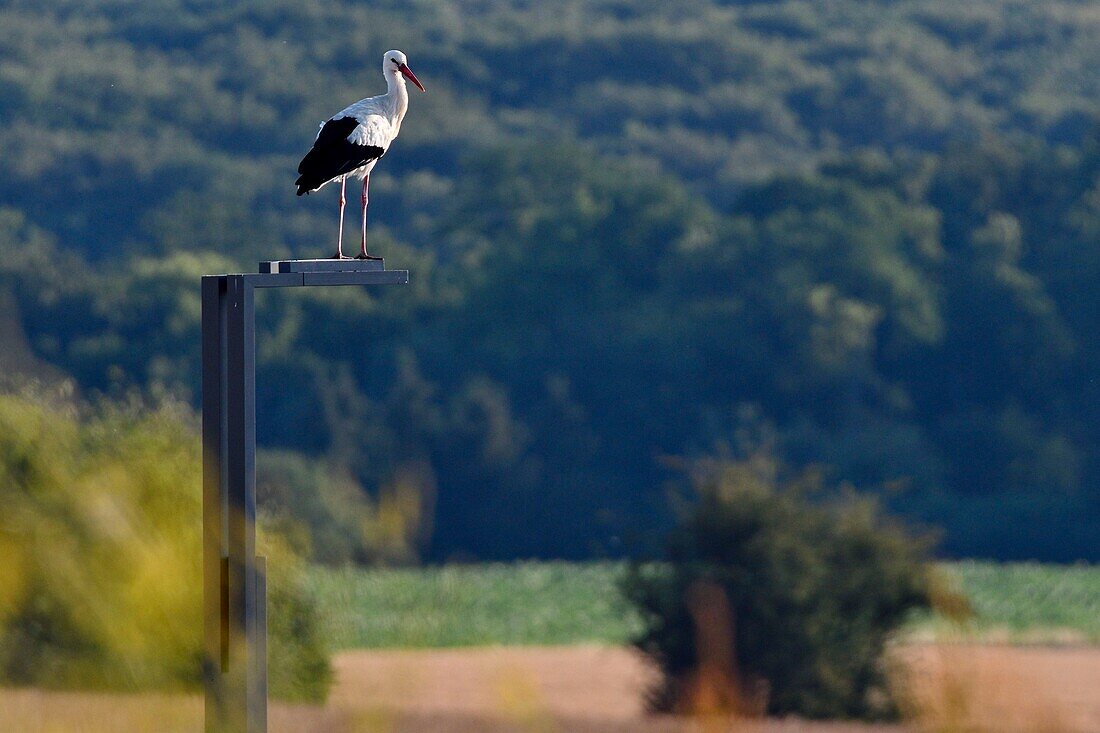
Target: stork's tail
x=305 y=186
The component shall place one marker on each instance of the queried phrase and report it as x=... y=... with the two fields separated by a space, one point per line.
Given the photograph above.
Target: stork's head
x=396 y=63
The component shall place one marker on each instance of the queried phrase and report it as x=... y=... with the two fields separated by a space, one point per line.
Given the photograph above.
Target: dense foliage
x=771 y=603
x=101 y=581
x=868 y=231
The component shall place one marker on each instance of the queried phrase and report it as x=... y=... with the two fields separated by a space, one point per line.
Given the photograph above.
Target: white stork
x=352 y=141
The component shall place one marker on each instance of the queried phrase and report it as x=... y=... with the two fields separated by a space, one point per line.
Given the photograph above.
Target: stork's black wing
x=333 y=155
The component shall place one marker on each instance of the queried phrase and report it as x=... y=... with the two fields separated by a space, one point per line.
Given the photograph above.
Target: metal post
x=235 y=666
x=215 y=618
x=234 y=578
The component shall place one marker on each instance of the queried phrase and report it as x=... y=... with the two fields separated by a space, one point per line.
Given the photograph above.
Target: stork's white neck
x=397 y=94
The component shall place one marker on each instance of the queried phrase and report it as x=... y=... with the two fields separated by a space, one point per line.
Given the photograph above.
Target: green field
x=568 y=603
x=1026 y=602
x=464 y=605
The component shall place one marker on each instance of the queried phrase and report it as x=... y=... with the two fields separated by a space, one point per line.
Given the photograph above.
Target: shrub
x=101 y=556
x=327 y=517
x=770 y=602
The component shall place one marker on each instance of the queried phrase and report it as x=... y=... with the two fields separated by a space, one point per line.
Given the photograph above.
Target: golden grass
x=970 y=688
x=41 y=711
x=37 y=711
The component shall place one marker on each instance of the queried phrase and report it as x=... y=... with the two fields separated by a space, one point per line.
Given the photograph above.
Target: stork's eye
x=396 y=61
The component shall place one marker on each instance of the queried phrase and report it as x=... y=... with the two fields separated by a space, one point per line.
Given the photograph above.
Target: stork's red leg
x=340 y=235
x=364 y=201
x=363 y=242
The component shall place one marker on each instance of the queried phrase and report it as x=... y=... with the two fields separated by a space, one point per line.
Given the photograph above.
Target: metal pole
x=234 y=578
x=247 y=684
x=215 y=617
x=235 y=626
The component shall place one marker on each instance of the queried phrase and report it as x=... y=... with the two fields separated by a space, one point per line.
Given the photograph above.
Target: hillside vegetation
x=864 y=235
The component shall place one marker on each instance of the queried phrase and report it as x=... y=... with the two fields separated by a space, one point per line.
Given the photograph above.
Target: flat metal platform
x=325 y=265
x=299 y=273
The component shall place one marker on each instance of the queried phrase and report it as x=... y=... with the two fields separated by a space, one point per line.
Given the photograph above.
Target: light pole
x=234 y=578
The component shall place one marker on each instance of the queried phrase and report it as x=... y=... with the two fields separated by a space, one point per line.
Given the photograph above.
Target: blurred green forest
x=862 y=235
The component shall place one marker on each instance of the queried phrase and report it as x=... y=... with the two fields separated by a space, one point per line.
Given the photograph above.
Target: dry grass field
x=956 y=689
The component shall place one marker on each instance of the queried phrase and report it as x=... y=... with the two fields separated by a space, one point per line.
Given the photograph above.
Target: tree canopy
x=865 y=233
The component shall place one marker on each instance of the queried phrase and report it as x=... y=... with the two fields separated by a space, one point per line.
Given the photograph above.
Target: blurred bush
x=327 y=516
x=101 y=557
x=771 y=602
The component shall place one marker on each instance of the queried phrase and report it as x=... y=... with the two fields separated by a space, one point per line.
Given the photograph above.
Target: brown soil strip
x=590 y=689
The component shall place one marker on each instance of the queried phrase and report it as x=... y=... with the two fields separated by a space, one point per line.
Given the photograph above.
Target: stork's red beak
x=404 y=68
